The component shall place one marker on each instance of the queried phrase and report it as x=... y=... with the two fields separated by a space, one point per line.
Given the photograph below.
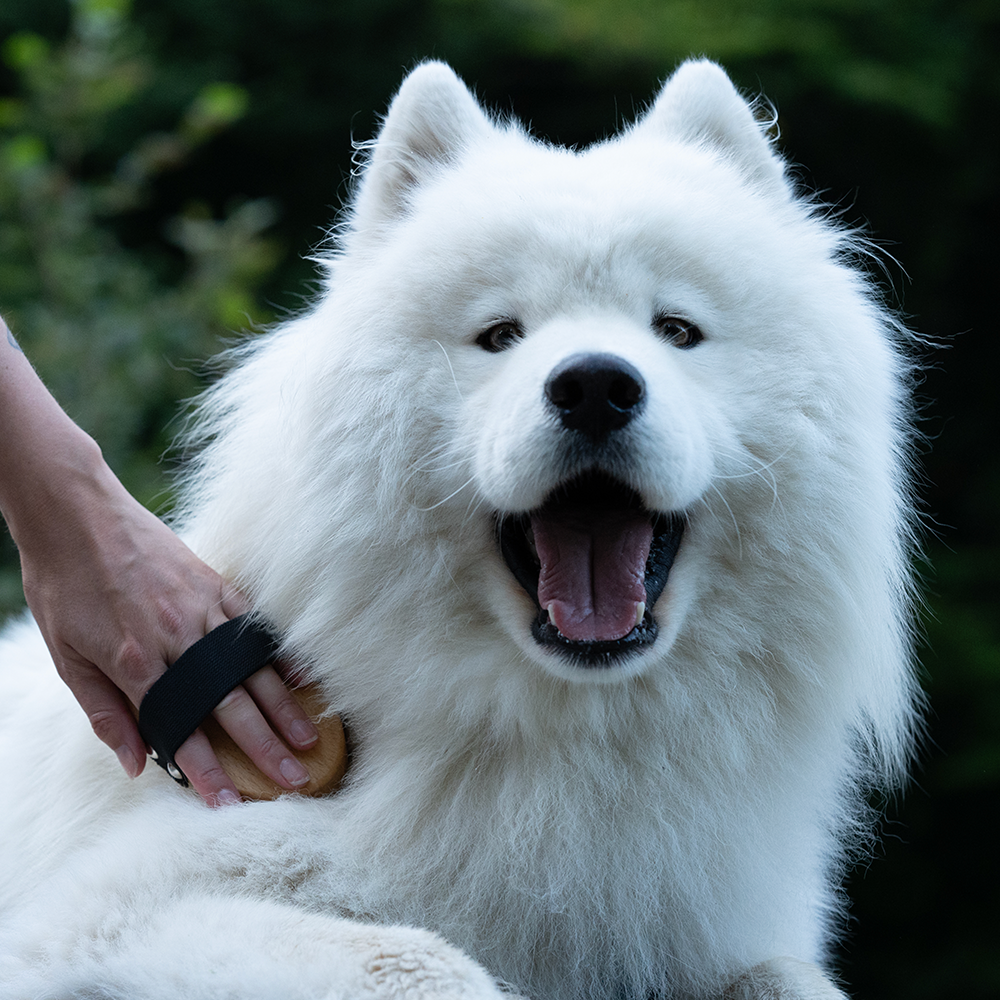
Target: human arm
x=118 y=596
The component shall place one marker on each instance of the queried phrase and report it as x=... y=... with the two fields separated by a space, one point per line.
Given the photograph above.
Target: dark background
x=165 y=168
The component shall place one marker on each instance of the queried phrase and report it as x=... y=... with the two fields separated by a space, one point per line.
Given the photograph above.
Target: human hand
x=118 y=596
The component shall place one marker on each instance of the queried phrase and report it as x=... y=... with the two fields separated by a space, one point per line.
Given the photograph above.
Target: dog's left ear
x=700 y=105
x=430 y=122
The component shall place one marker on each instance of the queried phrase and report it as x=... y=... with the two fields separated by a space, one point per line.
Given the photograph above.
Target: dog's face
x=613 y=400
x=583 y=316
x=588 y=439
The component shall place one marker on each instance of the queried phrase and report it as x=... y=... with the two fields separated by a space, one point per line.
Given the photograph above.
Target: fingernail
x=293 y=772
x=303 y=732
x=127 y=760
x=227 y=797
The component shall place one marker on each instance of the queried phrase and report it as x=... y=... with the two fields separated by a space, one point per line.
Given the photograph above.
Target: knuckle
x=202 y=768
x=213 y=775
x=207 y=779
x=105 y=723
x=285 y=708
x=171 y=620
x=269 y=746
x=130 y=661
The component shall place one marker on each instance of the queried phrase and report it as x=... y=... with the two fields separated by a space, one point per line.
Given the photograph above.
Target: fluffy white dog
x=582 y=493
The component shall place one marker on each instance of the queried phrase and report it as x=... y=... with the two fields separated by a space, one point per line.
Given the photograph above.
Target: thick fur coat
x=579 y=810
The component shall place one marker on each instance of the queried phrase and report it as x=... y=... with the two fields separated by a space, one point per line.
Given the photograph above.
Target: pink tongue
x=593 y=568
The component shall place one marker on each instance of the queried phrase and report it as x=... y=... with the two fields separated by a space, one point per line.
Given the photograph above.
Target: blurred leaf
x=216 y=106
x=11 y=113
x=117 y=336
x=25 y=50
x=23 y=153
x=101 y=16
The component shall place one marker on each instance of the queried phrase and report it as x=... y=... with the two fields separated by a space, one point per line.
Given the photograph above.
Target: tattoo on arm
x=10 y=337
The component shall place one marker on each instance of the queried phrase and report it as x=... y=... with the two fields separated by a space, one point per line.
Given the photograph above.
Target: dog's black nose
x=595 y=393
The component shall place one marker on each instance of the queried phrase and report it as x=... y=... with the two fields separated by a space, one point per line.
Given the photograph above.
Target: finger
x=239 y=715
x=291 y=674
x=281 y=709
x=109 y=714
x=201 y=767
x=233 y=603
x=276 y=707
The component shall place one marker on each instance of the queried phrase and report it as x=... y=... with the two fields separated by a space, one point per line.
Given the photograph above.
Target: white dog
x=582 y=493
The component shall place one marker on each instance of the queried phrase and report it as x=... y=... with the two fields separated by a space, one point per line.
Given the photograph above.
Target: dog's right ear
x=430 y=122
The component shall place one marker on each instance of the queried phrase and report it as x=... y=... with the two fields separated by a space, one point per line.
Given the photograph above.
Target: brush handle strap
x=197 y=681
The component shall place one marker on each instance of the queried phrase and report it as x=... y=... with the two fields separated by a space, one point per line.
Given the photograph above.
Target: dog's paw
x=403 y=963
x=784 y=979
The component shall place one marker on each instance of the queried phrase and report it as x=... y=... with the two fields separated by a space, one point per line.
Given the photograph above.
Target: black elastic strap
x=202 y=676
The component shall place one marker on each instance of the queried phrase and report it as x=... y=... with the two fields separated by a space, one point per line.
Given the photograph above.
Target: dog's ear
x=430 y=122
x=700 y=105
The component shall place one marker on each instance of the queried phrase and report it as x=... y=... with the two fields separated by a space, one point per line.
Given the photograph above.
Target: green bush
x=118 y=335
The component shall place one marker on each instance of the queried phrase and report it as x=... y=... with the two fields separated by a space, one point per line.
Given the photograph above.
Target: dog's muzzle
x=592 y=557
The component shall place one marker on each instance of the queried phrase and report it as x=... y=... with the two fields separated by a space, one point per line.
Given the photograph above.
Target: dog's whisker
x=454 y=493
x=736 y=524
x=475 y=504
x=756 y=469
x=428 y=462
x=450 y=369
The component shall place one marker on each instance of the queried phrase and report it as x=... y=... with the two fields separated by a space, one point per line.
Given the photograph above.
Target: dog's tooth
x=549 y=608
x=640 y=611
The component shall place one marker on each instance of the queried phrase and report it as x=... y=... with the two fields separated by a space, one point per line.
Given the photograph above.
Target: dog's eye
x=500 y=336
x=678 y=332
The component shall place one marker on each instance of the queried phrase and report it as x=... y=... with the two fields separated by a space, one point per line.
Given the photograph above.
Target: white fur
x=677 y=824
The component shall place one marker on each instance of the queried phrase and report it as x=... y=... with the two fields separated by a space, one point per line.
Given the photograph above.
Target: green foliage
x=115 y=333
x=877 y=52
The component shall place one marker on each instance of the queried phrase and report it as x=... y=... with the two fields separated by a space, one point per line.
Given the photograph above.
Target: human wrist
x=53 y=468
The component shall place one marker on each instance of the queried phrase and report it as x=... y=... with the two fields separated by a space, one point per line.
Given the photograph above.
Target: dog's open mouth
x=594 y=560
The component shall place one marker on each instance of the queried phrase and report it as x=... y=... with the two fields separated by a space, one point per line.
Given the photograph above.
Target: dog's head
x=633 y=351
x=622 y=407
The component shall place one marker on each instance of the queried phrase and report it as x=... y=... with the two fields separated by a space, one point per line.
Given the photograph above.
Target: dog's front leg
x=215 y=948
x=784 y=979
